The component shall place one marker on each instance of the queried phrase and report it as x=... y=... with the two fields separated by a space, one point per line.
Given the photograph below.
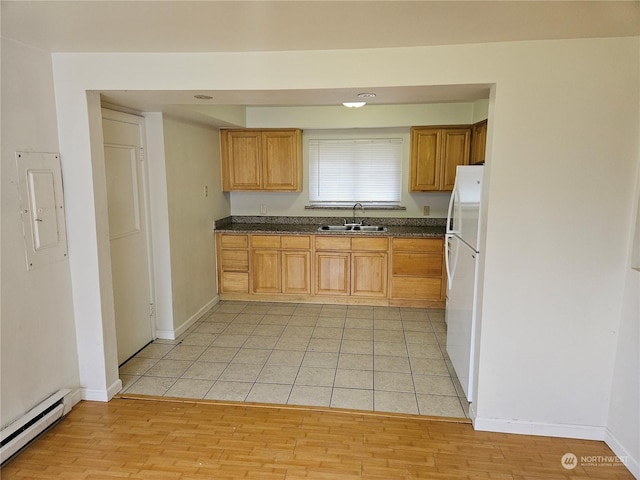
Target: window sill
x=367 y=208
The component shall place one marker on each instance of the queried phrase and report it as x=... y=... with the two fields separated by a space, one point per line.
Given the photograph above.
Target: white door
x=127 y=210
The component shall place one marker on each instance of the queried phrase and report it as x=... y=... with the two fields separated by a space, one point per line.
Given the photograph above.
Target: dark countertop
x=307 y=229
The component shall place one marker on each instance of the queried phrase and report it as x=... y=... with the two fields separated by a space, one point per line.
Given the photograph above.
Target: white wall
x=564 y=153
x=562 y=170
x=624 y=411
x=38 y=340
x=369 y=116
x=192 y=159
x=480 y=110
x=159 y=215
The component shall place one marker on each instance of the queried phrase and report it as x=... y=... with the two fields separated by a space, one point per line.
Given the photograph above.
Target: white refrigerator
x=461 y=260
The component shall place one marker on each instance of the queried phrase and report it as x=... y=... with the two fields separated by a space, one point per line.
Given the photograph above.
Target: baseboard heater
x=18 y=434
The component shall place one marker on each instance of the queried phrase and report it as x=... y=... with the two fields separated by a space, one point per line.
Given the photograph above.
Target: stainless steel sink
x=369 y=228
x=352 y=228
x=338 y=228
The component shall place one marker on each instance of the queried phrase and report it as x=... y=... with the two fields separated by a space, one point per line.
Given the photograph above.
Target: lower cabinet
x=418 y=272
x=352 y=266
x=280 y=264
x=401 y=271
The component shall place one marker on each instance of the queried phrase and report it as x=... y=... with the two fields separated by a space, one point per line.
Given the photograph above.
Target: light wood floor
x=179 y=439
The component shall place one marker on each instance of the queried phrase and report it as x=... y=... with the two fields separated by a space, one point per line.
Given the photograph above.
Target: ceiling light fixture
x=354 y=104
x=203 y=97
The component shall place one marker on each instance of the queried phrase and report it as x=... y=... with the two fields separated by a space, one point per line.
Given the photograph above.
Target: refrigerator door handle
x=453 y=201
x=450 y=268
x=447 y=252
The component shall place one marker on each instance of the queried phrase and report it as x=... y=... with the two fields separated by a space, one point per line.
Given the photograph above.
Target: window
x=345 y=171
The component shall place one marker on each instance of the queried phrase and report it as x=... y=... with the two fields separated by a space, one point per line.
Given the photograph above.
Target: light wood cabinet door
x=435 y=154
x=425 y=159
x=369 y=274
x=281 y=160
x=332 y=273
x=266 y=160
x=241 y=159
x=455 y=151
x=296 y=272
x=265 y=271
x=478 y=143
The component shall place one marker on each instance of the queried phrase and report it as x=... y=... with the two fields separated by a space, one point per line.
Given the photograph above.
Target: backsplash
x=290 y=220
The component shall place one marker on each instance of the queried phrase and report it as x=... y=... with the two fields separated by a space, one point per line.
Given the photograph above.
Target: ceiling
x=149 y=100
x=241 y=25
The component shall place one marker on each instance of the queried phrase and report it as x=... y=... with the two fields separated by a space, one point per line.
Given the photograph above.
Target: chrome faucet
x=354 y=213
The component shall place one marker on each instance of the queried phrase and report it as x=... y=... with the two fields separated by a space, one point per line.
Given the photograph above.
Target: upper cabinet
x=435 y=154
x=478 y=142
x=268 y=160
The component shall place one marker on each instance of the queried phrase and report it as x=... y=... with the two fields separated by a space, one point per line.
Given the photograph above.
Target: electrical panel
x=41 y=207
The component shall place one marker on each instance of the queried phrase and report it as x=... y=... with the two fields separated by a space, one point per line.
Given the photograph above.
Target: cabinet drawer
x=412 y=288
x=423 y=245
x=234 y=241
x=333 y=243
x=370 y=243
x=265 y=241
x=234 y=260
x=417 y=264
x=296 y=241
x=234 y=282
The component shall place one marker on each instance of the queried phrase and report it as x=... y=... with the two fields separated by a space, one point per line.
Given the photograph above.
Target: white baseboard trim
x=101 y=395
x=74 y=397
x=472 y=413
x=558 y=430
x=633 y=464
x=173 y=334
x=114 y=388
x=581 y=432
x=94 y=395
x=166 y=334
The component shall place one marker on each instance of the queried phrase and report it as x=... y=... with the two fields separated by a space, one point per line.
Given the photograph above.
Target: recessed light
x=354 y=104
x=366 y=95
x=203 y=97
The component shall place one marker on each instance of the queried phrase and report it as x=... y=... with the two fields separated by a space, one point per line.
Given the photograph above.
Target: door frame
x=146 y=202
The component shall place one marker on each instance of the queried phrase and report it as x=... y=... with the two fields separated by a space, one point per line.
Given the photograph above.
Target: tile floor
x=369 y=358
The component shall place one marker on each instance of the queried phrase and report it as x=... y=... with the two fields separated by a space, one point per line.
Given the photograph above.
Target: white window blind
x=345 y=171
